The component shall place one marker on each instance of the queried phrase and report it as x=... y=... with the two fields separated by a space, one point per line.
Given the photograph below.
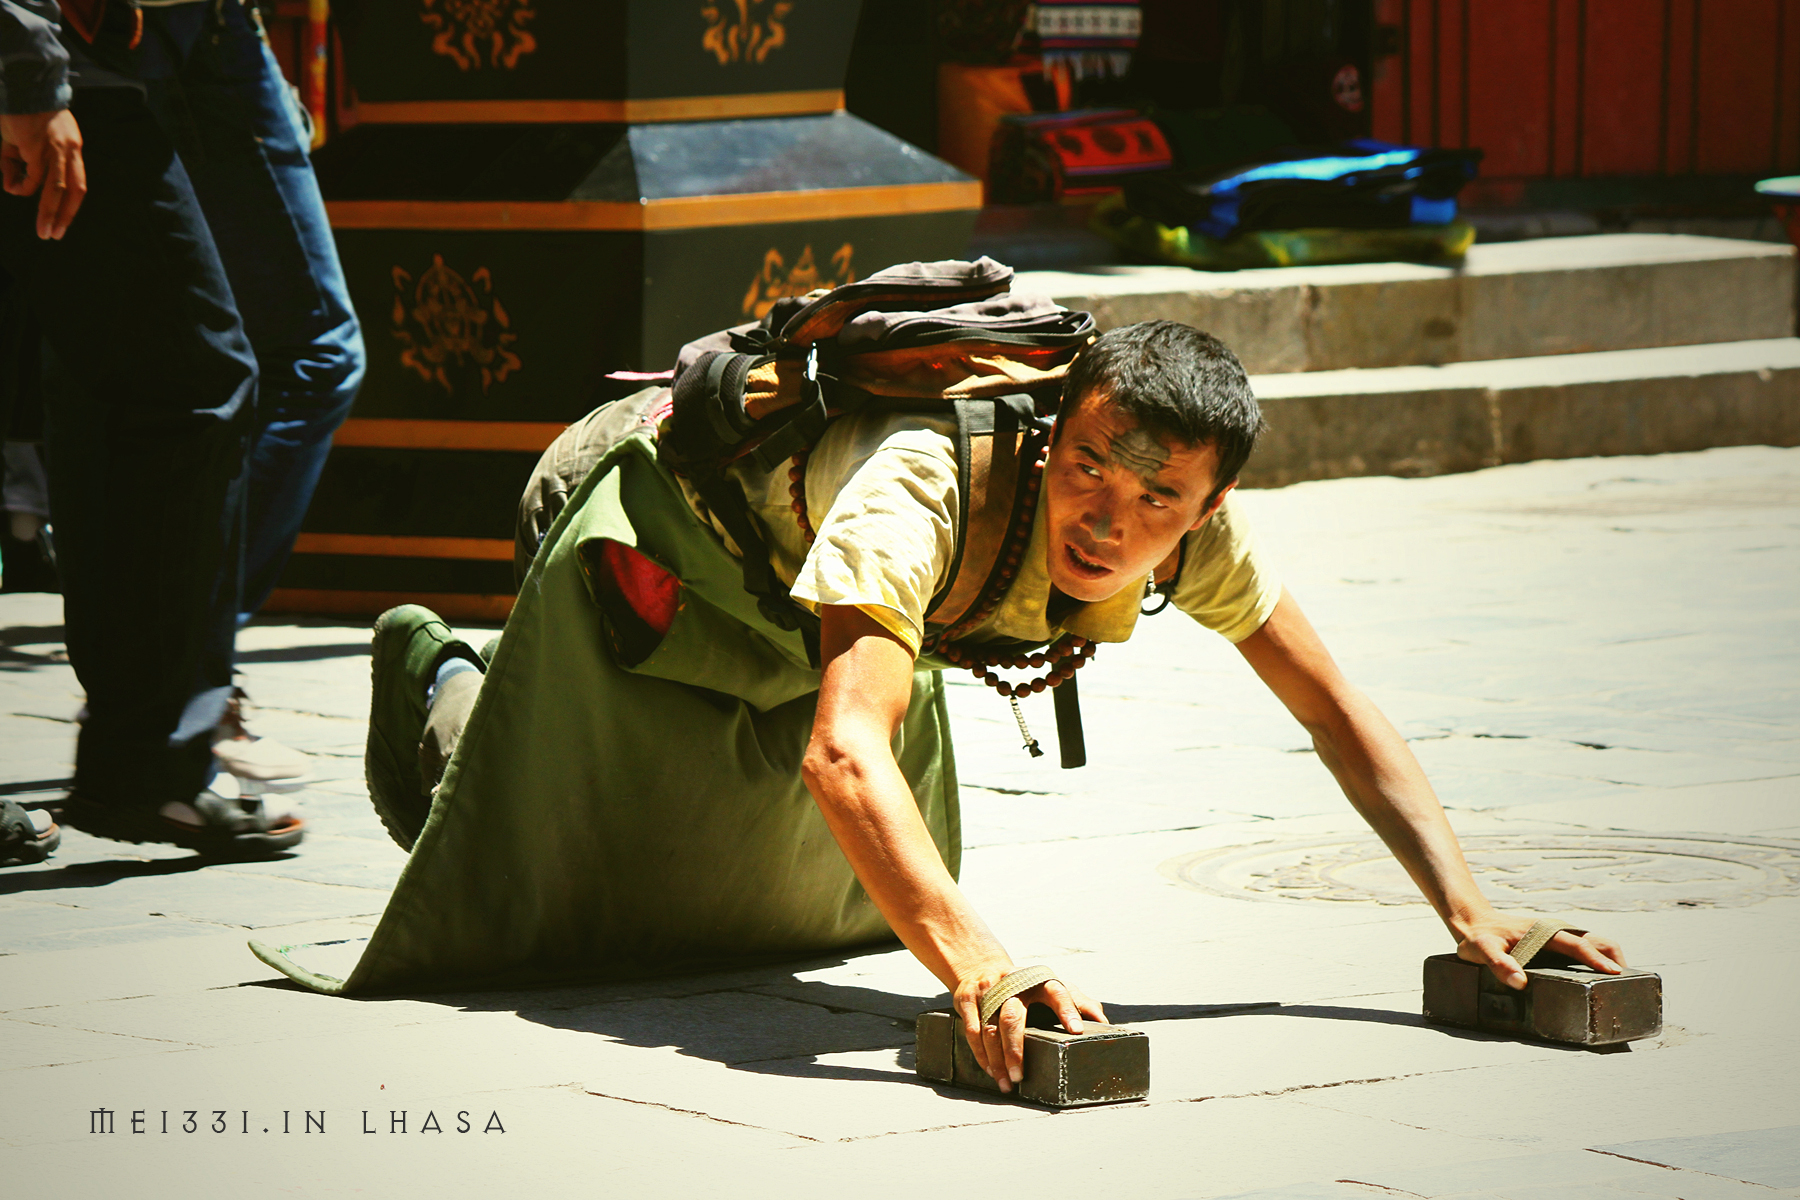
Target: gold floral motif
x=469 y=29
x=777 y=280
x=744 y=30
x=445 y=321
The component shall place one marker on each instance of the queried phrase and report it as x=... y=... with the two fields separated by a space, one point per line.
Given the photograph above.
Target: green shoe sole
x=409 y=645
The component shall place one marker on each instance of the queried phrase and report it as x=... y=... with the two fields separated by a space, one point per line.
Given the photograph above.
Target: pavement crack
x=694 y=1112
x=1380 y=1189
x=1651 y=1162
x=310 y=712
x=1310 y=1087
x=354 y=887
x=141 y=1037
x=1021 y=1114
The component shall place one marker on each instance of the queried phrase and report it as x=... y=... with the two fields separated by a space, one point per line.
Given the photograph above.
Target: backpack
x=943 y=337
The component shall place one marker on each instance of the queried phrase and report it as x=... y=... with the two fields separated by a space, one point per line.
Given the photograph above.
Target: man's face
x=1120 y=498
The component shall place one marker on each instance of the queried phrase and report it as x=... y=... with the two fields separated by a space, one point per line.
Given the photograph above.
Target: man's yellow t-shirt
x=881 y=489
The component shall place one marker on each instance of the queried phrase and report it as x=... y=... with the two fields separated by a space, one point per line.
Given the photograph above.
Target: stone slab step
x=1412 y=421
x=1552 y=296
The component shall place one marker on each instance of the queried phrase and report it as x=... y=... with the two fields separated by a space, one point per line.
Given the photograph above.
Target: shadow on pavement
x=1385 y=1016
x=98 y=874
x=773 y=1021
x=31 y=635
x=286 y=654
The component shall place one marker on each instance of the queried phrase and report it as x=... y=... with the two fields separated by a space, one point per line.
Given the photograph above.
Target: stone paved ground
x=1597 y=661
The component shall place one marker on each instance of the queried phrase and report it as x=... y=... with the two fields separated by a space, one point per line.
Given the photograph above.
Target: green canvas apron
x=598 y=822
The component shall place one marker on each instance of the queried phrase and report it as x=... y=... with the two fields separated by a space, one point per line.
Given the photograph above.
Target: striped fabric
x=1086 y=37
x=1086 y=25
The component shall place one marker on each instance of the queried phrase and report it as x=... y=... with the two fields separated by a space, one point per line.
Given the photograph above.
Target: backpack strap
x=725 y=499
x=722 y=382
x=997 y=447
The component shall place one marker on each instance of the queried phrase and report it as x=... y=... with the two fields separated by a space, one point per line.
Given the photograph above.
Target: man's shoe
x=26 y=836
x=261 y=764
x=210 y=823
x=410 y=644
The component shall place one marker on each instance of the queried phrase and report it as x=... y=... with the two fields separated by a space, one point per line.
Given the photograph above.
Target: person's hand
x=43 y=151
x=999 y=1047
x=1490 y=940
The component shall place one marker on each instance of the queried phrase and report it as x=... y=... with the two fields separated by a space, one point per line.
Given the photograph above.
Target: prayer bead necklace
x=797 y=494
x=1069 y=654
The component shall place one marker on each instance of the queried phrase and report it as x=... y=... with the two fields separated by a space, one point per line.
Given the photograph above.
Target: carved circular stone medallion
x=1547 y=872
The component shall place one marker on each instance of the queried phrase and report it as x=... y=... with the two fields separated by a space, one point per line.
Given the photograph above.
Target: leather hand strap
x=1537 y=937
x=1021 y=980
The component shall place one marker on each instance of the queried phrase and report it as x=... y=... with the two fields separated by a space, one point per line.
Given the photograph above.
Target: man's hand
x=865 y=687
x=43 y=151
x=999 y=1047
x=1490 y=940
x=1384 y=782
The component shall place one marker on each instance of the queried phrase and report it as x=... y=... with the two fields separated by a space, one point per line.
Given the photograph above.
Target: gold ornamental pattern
x=480 y=33
x=777 y=280
x=744 y=30
x=445 y=323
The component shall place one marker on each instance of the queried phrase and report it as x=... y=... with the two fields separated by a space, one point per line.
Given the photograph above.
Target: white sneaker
x=261 y=765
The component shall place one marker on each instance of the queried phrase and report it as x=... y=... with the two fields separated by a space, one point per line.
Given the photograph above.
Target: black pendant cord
x=1068 y=724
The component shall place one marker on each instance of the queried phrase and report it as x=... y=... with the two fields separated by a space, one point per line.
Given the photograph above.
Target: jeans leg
x=236 y=126
x=148 y=438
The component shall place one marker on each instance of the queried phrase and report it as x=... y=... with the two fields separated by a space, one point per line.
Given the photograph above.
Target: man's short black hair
x=1176 y=381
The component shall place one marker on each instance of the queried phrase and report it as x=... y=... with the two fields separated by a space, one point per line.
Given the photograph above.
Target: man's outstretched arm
x=851 y=772
x=1384 y=782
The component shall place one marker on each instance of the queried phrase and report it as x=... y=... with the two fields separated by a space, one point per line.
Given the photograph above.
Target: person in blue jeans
x=164 y=287
x=218 y=93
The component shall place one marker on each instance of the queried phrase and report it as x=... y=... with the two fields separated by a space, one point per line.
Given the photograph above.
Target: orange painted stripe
x=825 y=204
x=392 y=434
x=685 y=212
x=490 y=549
x=530 y=112
x=458 y=606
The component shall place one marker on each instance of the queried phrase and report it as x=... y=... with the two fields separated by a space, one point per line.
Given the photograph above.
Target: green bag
x=1148 y=241
x=604 y=822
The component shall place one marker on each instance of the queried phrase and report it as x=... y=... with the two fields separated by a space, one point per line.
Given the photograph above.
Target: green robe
x=603 y=822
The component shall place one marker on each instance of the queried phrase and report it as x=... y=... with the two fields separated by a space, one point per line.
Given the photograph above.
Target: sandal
x=21 y=841
x=210 y=823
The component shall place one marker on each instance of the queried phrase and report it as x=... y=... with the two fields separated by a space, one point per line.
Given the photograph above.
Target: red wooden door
x=1596 y=88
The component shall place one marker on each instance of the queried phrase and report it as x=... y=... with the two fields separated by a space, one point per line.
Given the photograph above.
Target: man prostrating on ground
x=651 y=775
